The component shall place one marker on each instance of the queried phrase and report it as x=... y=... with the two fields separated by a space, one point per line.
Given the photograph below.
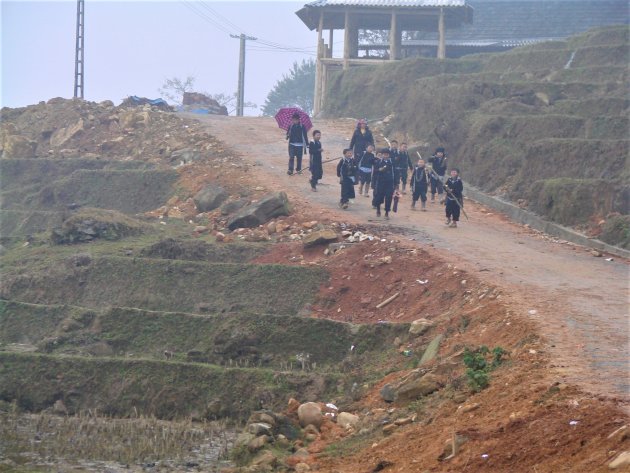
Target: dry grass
x=93 y=437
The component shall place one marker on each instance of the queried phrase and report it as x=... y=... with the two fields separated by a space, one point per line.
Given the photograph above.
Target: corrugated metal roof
x=388 y=3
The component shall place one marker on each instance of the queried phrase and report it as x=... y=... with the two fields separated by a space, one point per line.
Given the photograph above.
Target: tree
x=229 y=101
x=173 y=89
x=295 y=89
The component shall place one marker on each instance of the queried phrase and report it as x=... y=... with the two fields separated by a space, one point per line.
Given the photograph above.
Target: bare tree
x=173 y=89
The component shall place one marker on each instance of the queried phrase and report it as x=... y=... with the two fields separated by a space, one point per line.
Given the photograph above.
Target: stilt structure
x=79 y=56
x=397 y=16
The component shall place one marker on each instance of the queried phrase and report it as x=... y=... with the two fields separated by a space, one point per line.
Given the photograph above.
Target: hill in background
x=545 y=125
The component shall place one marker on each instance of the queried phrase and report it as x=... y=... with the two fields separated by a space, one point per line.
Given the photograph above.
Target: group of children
x=386 y=172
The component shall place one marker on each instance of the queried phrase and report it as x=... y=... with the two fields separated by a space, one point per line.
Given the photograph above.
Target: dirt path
x=581 y=302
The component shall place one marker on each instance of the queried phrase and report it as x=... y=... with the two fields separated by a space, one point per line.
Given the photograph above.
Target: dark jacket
x=393 y=155
x=315 y=149
x=360 y=141
x=384 y=175
x=403 y=161
x=456 y=187
x=419 y=178
x=366 y=161
x=346 y=169
x=439 y=164
x=297 y=134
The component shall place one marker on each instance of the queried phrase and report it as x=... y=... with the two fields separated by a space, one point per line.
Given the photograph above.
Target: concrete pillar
x=330 y=42
x=317 y=96
x=441 y=51
x=395 y=37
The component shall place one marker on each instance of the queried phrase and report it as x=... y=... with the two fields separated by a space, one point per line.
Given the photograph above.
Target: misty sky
x=132 y=46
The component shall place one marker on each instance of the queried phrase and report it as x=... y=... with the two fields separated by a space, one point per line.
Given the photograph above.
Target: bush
x=479 y=363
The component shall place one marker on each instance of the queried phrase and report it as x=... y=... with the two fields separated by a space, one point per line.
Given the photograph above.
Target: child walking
x=365 y=170
x=346 y=172
x=315 y=160
x=419 y=185
x=454 y=188
x=384 y=186
x=297 y=138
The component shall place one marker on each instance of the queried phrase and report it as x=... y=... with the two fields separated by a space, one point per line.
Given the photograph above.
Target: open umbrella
x=285 y=115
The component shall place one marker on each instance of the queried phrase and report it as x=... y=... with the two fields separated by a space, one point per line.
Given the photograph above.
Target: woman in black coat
x=361 y=138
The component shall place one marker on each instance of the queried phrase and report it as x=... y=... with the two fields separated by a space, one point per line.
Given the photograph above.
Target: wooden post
x=330 y=43
x=394 y=37
x=441 y=52
x=346 y=40
x=317 y=96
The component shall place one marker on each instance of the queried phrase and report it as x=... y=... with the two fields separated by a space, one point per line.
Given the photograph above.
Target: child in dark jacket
x=365 y=165
x=384 y=186
x=402 y=163
x=315 y=160
x=438 y=163
x=454 y=188
x=419 y=185
x=346 y=172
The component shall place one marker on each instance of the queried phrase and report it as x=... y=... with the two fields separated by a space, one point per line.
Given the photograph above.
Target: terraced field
x=545 y=125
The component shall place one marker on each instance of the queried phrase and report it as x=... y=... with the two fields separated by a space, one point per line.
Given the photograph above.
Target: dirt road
x=580 y=301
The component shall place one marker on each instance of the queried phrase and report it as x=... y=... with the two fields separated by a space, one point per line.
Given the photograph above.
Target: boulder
x=257 y=443
x=259 y=213
x=185 y=156
x=89 y=224
x=16 y=146
x=414 y=388
x=265 y=459
x=319 y=238
x=388 y=394
x=210 y=197
x=346 y=420
x=418 y=327
x=259 y=428
x=310 y=413
x=233 y=206
x=389 y=428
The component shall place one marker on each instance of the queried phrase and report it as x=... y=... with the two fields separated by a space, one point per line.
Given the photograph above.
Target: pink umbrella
x=284 y=118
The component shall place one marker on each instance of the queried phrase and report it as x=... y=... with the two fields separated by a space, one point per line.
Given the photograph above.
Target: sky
x=131 y=47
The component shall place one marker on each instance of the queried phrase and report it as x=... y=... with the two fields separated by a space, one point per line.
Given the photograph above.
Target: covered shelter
x=395 y=16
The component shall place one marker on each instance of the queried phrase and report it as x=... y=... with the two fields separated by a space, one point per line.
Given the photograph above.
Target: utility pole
x=240 y=94
x=78 y=53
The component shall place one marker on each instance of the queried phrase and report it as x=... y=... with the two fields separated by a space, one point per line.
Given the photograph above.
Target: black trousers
x=295 y=152
x=383 y=194
x=419 y=193
x=400 y=175
x=347 y=190
x=452 y=210
x=436 y=185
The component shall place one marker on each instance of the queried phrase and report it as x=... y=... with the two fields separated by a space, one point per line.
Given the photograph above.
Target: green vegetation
x=479 y=363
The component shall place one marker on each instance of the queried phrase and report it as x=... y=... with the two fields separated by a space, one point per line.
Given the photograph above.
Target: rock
x=265 y=459
x=293 y=405
x=310 y=413
x=311 y=429
x=90 y=224
x=63 y=135
x=196 y=100
x=412 y=389
x=262 y=417
x=403 y=421
x=311 y=437
x=271 y=228
x=233 y=206
x=259 y=213
x=259 y=428
x=319 y=238
x=543 y=97
x=282 y=441
x=257 y=443
x=597 y=254
x=210 y=197
x=310 y=225
x=200 y=229
x=387 y=393
x=431 y=352
x=397 y=342
x=346 y=420
x=184 y=156
x=471 y=407
x=17 y=146
x=419 y=326
x=384 y=260
x=389 y=428
x=302 y=468
x=220 y=236
x=620 y=461
x=60 y=408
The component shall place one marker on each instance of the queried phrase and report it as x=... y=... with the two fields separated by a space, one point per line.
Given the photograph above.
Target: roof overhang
x=411 y=16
